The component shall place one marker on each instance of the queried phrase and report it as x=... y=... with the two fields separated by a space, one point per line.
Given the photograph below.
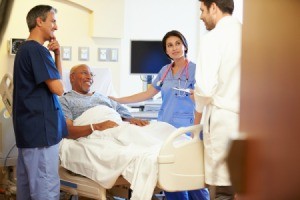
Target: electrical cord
x=6 y=157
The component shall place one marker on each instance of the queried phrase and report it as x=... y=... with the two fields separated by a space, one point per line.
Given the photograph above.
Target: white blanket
x=127 y=150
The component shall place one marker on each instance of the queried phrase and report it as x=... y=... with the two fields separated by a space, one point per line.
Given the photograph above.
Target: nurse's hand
x=113 y=98
x=138 y=122
x=192 y=95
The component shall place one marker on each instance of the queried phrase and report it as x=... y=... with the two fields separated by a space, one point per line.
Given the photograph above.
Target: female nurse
x=177 y=107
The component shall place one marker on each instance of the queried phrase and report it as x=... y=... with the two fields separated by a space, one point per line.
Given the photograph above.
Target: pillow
x=98 y=114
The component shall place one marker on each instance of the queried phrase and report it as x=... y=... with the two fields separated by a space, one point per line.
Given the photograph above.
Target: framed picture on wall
x=66 y=53
x=15 y=44
x=83 y=53
x=113 y=55
x=102 y=54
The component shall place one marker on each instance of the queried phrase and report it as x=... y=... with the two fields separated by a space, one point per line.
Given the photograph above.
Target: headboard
x=102 y=81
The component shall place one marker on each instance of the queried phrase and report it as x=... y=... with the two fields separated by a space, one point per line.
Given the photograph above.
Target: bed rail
x=181 y=164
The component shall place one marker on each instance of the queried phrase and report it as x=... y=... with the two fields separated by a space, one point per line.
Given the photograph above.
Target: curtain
x=5 y=10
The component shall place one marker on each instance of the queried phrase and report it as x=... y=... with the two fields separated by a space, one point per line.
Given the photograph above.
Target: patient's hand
x=138 y=122
x=105 y=125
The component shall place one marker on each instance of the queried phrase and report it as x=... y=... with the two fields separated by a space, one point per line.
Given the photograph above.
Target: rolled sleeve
x=201 y=100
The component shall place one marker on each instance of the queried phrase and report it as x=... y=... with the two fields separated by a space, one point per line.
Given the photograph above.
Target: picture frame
x=83 y=53
x=14 y=45
x=114 y=55
x=66 y=53
x=103 y=54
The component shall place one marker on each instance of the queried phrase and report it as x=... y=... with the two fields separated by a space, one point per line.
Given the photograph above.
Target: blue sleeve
x=192 y=71
x=43 y=64
x=124 y=112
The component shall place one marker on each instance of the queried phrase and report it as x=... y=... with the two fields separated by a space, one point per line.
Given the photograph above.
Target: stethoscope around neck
x=161 y=81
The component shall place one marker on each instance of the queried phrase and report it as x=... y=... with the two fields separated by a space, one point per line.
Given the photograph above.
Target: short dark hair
x=226 y=6
x=177 y=34
x=38 y=11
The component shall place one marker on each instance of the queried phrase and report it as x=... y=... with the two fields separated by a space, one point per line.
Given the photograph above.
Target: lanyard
x=160 y=83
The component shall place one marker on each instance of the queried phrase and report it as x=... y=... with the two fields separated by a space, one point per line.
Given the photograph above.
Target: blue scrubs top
x=177 y=107
x=37 y=116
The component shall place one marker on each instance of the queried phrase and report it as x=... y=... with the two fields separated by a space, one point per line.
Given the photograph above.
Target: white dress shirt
x=218 y=91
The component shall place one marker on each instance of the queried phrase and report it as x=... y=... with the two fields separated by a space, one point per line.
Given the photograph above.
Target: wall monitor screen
x=147 y=57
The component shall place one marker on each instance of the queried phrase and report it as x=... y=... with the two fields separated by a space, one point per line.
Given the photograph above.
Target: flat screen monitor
x=147 y=57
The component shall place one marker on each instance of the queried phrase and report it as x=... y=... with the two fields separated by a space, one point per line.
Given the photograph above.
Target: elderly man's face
x=82 y=79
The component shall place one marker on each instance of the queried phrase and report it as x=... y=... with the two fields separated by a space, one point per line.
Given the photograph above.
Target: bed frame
x=180 y=167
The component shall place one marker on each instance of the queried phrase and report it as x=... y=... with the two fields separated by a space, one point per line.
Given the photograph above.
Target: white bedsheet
x=126 y=150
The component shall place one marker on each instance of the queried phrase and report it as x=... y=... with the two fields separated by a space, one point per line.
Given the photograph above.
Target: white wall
x=238 y=9
x=151 y=20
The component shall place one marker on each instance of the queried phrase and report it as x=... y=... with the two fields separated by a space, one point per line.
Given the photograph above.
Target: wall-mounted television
x=147 y=57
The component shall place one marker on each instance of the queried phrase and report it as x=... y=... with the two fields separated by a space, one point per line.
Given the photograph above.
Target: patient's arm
x=135 y=121
x=82 y=131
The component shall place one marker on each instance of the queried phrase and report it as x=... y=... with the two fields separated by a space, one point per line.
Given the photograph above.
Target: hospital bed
x=180 y=165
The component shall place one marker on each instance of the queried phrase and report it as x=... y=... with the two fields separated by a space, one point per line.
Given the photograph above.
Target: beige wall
x=75 y=28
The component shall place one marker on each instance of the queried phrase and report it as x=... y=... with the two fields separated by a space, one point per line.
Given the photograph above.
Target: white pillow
x=98 y=114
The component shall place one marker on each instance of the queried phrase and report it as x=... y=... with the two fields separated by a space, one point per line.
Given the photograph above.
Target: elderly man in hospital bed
x=105 y=146
x=80 y=99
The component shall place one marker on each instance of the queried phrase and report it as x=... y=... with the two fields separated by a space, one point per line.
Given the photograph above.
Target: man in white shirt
x=218 y=90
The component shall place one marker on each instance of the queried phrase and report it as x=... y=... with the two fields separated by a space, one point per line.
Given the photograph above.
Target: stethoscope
x=161 y=81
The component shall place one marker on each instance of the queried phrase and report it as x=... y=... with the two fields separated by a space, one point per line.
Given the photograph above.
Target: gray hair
x=40 y=11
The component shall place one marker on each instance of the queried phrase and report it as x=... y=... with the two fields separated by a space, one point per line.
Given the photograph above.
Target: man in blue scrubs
x=38 y=120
